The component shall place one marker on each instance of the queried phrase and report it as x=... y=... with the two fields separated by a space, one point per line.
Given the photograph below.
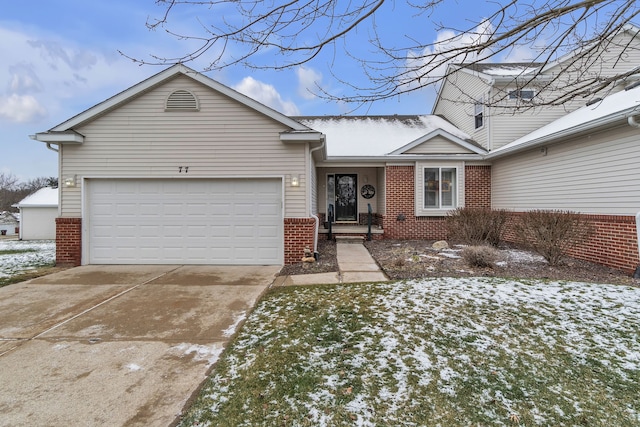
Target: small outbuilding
x=9 y=224
x=38 y=213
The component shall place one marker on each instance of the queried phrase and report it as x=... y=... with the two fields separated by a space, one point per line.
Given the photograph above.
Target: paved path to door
x=355 y=263
x=117 y=345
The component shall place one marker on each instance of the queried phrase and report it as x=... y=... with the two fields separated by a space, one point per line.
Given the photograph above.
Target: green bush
x=480 y=256
x=552 y=233
x=477 y=226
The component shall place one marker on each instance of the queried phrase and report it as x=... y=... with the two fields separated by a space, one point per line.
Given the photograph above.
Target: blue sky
x=61 y=57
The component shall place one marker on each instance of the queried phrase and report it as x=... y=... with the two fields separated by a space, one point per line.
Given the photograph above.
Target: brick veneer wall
x=613 y=244
x=298 y=234
x=477 y=189
x=68 y=241
x=400 y=196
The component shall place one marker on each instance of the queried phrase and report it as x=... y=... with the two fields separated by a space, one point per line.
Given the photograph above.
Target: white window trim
x=420 y=210
x=479 y=105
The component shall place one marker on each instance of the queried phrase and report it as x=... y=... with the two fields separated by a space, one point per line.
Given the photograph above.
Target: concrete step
x=349 y=239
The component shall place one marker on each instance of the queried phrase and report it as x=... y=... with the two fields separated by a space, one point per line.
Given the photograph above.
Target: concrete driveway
x=117 y=345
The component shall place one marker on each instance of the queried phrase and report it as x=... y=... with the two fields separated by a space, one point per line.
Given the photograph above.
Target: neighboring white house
x=38 y=213
x=8 y=224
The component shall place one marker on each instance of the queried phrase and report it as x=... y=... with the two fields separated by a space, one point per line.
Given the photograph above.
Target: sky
x=62 y=57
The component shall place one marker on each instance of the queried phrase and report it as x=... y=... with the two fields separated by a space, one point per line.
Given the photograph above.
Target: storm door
x=346 y=197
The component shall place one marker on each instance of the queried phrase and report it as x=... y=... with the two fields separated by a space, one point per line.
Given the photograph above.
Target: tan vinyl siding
x=456 y=103
x=438 y=145
x=224 y=139
x=597 y=174
x=381 y=191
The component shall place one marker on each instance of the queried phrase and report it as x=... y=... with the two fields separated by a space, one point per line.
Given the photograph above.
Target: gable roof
x=44 y=197
x=8 y=218
x=55 y=134
x=378 y=136
x=619 y=106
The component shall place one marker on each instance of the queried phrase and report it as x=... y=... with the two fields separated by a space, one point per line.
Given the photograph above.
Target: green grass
x=432 y=353
x=15 y=251
x=38 y=271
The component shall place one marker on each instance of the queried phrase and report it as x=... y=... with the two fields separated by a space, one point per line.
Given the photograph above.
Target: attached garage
x=184 y=221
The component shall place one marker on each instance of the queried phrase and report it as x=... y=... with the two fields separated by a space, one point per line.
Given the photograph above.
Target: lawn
x=437 y=352
x=18 y=258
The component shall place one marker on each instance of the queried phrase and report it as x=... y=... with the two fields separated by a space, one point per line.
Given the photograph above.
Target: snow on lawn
x=434 y=352
x=37 y=253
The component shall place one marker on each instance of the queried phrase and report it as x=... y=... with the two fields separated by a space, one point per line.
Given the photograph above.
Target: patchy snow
x=210 y=354
x=132 y=367
x=40 y=253
x=238 y=318
x=376 y=136
x=439 y=339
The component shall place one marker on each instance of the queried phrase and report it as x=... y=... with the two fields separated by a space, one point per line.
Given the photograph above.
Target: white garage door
x=185 y=221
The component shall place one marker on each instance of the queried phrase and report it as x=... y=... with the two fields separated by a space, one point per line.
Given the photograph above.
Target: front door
x=346 y=194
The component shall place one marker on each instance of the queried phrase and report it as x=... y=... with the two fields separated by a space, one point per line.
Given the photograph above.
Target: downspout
x=632 y=122
x=51 y=148
x=317 y=228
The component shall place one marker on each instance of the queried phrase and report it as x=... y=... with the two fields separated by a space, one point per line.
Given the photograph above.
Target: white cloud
x=21 y=109
x=308 y=82
x=443 y=52
x=267 y=95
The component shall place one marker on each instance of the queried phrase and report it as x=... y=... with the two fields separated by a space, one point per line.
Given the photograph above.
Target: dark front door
x=346 y=197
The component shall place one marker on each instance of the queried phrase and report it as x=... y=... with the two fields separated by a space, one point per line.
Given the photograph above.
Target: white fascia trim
x=59 y=137
x=444 y=134
x=162 y=76
x=302 y=136
x=406 y=157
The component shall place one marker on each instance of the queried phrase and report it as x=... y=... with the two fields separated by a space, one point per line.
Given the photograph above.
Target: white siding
x=38 y=223
x=438 y=145
x=381 y=191
x=596 y=173
x=456 y=104
x=223 y=139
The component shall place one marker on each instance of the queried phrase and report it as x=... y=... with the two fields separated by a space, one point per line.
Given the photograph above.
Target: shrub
x=476 y=226
x=480 y=256
x=552 y=233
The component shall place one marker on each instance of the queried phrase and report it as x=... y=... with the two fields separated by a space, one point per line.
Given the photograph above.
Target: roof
x=507 y=69
x=55 y=134
x=375 y=136
x=615 y=107
x=8 y=218
x=44 y=197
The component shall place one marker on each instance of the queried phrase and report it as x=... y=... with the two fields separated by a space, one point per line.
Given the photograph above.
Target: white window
x=440 y=186
x=478 y=113
x=525 y=94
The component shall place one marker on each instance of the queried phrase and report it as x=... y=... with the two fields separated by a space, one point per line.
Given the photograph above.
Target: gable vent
x=181 y=100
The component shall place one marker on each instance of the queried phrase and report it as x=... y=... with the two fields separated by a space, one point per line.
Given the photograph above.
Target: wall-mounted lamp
x=295 y=181
x=69 y=181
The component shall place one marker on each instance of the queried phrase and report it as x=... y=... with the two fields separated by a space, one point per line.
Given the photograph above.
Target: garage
x=184 y=221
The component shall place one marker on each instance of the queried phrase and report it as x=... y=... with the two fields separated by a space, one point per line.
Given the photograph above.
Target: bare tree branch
x=295 y=33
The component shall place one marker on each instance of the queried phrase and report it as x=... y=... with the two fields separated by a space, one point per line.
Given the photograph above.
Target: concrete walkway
x=354 y=262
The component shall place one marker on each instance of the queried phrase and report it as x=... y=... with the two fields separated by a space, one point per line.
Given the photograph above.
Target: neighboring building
x=9 y=224
x=38 y=213
x=181 y=169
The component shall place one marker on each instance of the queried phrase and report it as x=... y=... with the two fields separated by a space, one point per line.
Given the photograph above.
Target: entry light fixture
x=70 y=181
x=295 y=181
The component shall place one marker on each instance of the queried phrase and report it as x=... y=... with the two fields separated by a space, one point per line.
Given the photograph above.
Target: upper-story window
x=526 y=94
x=478 y=114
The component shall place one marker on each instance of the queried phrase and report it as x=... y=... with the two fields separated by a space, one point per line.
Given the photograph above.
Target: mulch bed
x=414 y=259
